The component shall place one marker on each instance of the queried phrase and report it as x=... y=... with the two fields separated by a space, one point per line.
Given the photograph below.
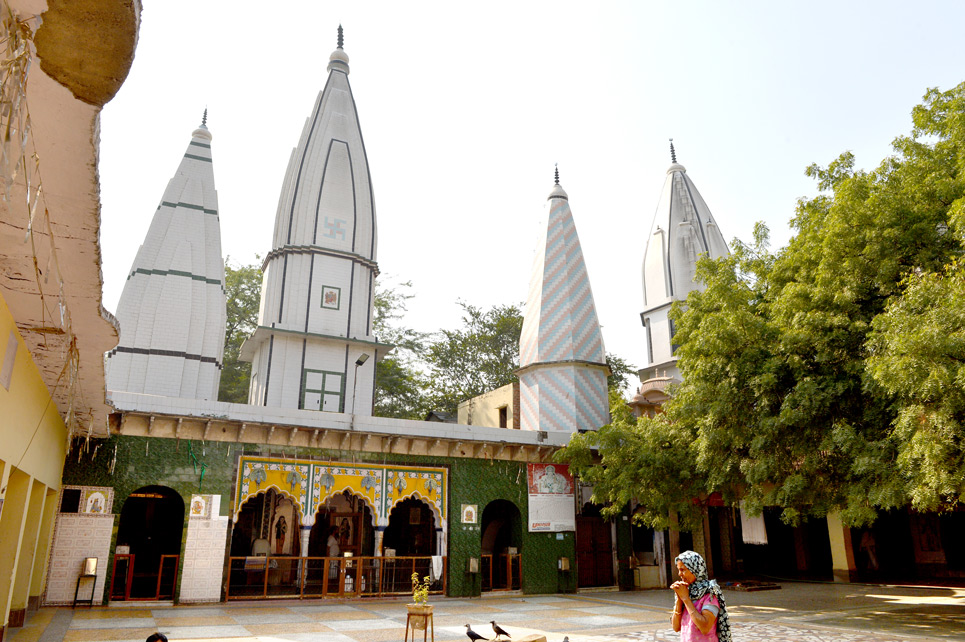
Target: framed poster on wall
x=552 y=502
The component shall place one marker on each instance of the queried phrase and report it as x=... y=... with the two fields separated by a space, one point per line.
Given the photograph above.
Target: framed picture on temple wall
x=469 y=513
x=331 y=297
x=346 y=525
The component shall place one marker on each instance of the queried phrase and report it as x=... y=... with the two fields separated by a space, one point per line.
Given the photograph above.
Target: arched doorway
x=412 y=530
x=268 y=525
x=150 y=529
x=501 y=532
x=409 y=545
x=594 y=548
x=348 y=519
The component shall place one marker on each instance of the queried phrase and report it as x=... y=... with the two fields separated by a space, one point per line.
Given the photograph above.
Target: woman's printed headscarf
x=702 y=585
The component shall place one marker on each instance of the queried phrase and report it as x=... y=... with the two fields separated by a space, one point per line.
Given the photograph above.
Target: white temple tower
x=683 y=230
x=315 y=320
x=172 y=308
x=563 y=371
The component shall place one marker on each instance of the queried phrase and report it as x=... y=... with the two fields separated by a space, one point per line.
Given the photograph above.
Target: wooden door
x=594 y=552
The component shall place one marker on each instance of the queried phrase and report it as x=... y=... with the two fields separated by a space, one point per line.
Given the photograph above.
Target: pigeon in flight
x=499 y=631
x=473 y=635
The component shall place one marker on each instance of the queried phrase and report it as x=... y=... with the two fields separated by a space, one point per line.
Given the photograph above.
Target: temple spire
x=562 y=375
x=204 y=118
x=683 y=229
x=179 y=266
x=315 y=321
x=557 y=173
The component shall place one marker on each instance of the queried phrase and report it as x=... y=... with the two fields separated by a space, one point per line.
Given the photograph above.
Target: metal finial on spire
x=341 y=40
x=556 y=165
x=673 y=153
x=204 y=119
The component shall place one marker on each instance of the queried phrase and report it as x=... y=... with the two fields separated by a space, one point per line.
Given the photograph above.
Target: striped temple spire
x=562 y=359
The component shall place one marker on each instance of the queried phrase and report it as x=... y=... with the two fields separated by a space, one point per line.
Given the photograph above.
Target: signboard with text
x=551 y=498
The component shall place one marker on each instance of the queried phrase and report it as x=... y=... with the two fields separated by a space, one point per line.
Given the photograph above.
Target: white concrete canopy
x=50 y=262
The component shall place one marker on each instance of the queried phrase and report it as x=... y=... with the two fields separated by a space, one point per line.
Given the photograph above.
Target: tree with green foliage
x=243 y=295
x=621 y=372
x=798 y=377
x=399 y=382
x=480 y=356
x=918 y=356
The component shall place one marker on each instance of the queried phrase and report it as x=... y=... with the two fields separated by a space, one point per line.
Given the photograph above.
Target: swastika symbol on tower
x=335 y=227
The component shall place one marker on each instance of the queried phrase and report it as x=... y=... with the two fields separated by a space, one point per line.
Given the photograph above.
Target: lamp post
x=355 y=380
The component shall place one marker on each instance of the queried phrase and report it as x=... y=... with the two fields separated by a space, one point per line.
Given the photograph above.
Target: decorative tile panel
x=380 y=487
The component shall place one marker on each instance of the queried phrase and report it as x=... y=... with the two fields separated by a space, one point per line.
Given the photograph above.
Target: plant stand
x=419 y=617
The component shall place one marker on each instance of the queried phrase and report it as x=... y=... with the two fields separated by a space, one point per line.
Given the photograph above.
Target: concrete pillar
x=44 y=539
x=15 y=502
x=305 y=532
x=28 y=551
x=379 y=534
x=842 y=553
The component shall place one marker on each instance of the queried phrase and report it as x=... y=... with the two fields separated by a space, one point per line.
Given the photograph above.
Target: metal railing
x=123 y=576
x=502 y=572
x=319 y=577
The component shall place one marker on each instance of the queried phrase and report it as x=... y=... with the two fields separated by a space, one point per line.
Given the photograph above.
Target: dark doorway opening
x=151 y=525
x=795 y=552
x=412 y=529
x=502 y=535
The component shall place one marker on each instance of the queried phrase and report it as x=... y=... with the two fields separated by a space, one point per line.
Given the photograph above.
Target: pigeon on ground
x=499 y=631
x=566 y=638
x=473 y=635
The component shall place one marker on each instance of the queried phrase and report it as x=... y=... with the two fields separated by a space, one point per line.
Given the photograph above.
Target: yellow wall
x=32 y=435
x=484 y=409
x=842 y=556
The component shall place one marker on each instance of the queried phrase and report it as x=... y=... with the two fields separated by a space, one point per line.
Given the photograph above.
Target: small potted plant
x=420 y=607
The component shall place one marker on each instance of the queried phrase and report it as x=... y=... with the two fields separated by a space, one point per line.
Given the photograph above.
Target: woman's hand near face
x=681 y=588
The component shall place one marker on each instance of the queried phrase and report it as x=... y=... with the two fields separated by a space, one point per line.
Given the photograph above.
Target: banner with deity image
x=551 y=498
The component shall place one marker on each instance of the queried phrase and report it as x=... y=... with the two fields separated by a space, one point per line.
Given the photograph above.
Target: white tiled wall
x=76 y=537
x=204 y=552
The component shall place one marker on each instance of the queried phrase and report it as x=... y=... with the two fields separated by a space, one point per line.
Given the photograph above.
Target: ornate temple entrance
x=268 y=525
x=337 y=517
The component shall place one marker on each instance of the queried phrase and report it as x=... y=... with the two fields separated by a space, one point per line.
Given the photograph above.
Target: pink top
x=689 y=631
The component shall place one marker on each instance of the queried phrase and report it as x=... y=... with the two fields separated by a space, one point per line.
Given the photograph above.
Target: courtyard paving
x=797 y=612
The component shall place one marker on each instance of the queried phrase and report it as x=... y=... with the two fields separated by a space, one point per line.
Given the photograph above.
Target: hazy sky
x=466 y=107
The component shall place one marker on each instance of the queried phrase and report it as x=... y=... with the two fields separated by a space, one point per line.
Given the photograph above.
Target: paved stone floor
x=796 y=612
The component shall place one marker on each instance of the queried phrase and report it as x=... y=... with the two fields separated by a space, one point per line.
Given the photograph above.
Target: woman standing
x=699 y=613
